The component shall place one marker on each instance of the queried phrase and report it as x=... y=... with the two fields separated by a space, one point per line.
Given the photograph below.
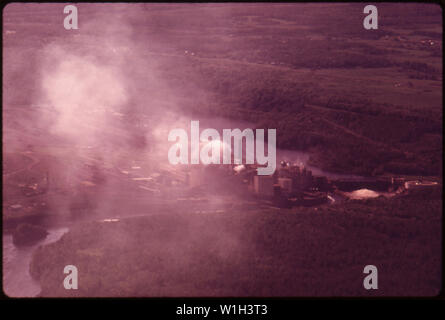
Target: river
x=17 y=281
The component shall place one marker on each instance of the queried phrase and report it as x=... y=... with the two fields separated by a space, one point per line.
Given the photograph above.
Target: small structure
x=263 y=185
x=285 y=184
x=417 y=185
x=16 y=207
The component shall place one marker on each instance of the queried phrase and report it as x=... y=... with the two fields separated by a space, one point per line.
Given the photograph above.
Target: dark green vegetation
x=26 y=234
x=259 y=252
x=360 y=101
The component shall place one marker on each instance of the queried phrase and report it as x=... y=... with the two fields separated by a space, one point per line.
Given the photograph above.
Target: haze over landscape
x=87 y=182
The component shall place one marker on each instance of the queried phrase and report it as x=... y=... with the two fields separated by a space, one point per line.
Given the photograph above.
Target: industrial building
x=263 y=185
x=290 y=185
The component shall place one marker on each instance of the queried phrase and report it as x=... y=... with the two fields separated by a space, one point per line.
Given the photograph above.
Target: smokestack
x=47 y=180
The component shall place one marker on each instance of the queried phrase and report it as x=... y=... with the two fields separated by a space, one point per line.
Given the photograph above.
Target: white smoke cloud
x=82 y=91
